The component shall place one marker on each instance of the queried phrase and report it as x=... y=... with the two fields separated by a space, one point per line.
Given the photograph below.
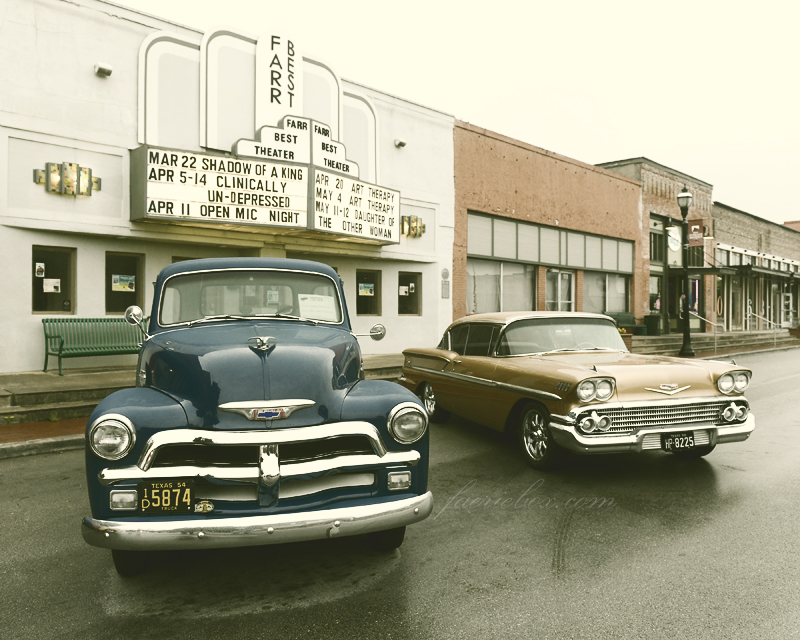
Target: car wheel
x=435 y=412
x=388 y=540
x=129 y=563
x=697 y=452
x=538 y=447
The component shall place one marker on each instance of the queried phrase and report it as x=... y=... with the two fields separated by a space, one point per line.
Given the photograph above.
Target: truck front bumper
x=212 y=533
x=568 y=437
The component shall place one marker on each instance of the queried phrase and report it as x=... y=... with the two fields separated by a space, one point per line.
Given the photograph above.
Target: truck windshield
x=542 y=335
x=249 y=294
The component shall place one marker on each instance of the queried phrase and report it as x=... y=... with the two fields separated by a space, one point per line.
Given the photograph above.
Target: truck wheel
x=435 y=412
x=537 y=444
x=129 y=563
x=388 y=540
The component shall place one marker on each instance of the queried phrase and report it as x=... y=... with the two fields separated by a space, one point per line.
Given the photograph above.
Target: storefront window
x=500 y=286
x=368 y=293
x=605 y=292
x=409 y=294
x=53 y=280
x=655 y=294
x=123 y=281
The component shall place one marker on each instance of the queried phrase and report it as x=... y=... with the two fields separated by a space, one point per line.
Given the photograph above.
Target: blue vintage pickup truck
x=251 y=422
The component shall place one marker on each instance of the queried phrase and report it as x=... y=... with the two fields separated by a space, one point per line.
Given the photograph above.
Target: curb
x=44 y=445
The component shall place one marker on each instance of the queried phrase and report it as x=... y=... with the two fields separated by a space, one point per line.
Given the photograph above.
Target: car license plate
x=166 y=496
x=677 y=441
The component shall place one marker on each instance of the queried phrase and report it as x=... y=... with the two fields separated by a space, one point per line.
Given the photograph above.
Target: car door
x=473 y=372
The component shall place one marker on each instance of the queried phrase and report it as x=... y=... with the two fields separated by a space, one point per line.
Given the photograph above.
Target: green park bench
x=625 y=320
x=82 y=337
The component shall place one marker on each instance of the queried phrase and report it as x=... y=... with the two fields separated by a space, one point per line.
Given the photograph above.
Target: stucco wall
x=504 y=177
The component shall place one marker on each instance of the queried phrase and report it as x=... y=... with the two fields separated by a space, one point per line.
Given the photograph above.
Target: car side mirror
x=134 y=315
x=377 y=332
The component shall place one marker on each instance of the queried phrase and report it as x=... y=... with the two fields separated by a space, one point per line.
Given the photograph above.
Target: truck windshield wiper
x=284 y=315
x=220 y=317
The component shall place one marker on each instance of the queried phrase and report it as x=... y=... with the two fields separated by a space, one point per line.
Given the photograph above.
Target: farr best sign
x=293 y=176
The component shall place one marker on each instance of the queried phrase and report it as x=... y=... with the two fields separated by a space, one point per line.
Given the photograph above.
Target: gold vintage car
x=565 y=381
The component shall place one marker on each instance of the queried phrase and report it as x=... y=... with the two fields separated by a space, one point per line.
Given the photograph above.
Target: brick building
x=764 y=256
x=536 y=230
x=743 y=278
x=661 y=240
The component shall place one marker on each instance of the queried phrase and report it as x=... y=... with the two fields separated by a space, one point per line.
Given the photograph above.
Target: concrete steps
x=725 y=342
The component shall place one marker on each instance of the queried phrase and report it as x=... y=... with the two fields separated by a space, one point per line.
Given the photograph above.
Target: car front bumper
x=568 y=437
x=213 y=533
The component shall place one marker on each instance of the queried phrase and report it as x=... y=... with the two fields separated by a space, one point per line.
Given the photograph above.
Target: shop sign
x=695 y=233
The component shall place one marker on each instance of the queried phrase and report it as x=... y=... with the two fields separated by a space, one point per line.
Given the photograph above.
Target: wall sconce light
x=68 y=178
x=399 y=143
x=412 y=226
x=102 y=69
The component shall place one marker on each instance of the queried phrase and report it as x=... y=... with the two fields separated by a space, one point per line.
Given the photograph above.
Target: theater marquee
x=315 y=190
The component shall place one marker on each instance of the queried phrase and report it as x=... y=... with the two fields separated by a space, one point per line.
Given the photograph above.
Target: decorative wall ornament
x=412 y=226
x=67 y=178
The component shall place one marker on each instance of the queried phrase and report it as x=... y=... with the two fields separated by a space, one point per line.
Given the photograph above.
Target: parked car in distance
x=566 y=382
x=251 y=422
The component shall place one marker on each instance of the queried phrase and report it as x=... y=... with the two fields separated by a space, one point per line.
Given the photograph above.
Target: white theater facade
x=128 y=143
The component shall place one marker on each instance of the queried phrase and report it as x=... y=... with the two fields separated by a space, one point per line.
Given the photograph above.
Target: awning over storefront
x=708 y=271
x=752 y=270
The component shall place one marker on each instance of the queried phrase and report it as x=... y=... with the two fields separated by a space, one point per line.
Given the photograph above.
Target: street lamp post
x=684 y=200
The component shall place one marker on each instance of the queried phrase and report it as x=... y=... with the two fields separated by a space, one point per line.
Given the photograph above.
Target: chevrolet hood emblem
x=668 y=389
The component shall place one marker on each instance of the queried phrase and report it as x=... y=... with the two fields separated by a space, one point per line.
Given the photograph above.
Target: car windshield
x=540 y=335
x=242 y=294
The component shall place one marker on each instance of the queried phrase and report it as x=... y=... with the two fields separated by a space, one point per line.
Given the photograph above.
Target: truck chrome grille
x=630 y=419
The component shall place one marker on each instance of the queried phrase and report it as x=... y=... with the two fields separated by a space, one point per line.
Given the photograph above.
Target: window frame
x=138 y=282
x=378 y=295
x=73 y=269
x=418 y=293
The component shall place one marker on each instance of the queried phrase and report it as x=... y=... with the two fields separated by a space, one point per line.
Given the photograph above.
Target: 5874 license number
x=168 y=496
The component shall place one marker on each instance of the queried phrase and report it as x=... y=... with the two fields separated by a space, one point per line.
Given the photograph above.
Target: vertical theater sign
x=245 y=132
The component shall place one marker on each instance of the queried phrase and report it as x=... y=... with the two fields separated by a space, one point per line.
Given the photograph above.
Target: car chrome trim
x=602 y=406
x=202 y=532
x=535 y=393
x=252 y=410
x=669 y=391
x=569 y=438
x=258 y=438
x=254 y=473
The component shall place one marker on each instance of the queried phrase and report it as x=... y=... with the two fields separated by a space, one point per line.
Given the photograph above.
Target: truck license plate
x=166 y=496
x=677 y=441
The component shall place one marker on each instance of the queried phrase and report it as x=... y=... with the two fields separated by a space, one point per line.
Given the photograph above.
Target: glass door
x=559 y=290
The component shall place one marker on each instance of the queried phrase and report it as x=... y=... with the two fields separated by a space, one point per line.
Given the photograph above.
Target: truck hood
x=212 y=364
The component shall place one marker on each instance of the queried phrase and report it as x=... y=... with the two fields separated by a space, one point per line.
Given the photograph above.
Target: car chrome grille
x=628 y=420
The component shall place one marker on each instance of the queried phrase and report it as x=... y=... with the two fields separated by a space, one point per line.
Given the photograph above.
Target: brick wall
x=504 y=177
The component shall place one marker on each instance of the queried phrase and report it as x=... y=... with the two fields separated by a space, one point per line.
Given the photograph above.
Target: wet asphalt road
x=623 y=546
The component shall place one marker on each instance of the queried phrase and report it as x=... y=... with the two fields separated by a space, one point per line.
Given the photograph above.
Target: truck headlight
x=407 y=422
x=112 y=436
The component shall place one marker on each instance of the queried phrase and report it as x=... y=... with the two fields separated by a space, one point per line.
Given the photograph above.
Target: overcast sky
x=707 y=88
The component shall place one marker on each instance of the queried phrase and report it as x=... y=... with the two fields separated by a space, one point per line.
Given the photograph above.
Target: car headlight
x=596 y=388
x=407 y=422
x=726 y=383
x=605 y=388
x=741 y=380
x=586 y=390
x=112 y=436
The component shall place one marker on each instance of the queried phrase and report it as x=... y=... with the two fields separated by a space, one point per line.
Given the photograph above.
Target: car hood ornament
x=669 y=389
x=266 y=409
x=263 y=344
